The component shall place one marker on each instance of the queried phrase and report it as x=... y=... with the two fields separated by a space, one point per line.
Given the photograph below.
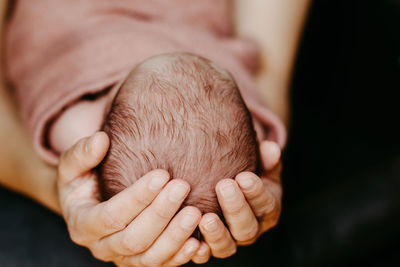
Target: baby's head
x=184 y=114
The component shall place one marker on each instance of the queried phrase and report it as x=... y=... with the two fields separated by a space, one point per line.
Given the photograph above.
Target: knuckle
x=132 y=247
x=74 y=153
x=75 y=232
x=143 y=198
x=72 y=219
x=98 y=254
x=109 y=221
x=260 y=212
x=217 y=238
x=271 y=204
x=200 y=260
x=226 y=253
x=268 y=206
x=243 y=236
x=236 y=209
x=174 y=237
x=162 y=212
x=256 y=192
x=123 y=261
x=150 y=261
x=77 y=238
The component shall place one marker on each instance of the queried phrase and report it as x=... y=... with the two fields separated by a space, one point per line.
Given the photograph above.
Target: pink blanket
x=58 y=51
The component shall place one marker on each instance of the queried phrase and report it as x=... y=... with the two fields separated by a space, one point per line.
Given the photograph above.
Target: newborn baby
x=184 y=114
x=66 y=61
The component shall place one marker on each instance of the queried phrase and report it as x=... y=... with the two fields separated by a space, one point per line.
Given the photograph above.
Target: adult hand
x=136 y=227
x=250 y=206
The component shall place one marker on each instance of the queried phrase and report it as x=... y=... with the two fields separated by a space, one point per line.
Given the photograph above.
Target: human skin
x=21 y=169
x=98 y=221
x=87 y=116
x=276 y=25
x=38 y=181
x=79 y=117
x=124 y=243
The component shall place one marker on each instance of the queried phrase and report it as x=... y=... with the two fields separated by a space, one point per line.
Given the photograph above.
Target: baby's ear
x=259 y=129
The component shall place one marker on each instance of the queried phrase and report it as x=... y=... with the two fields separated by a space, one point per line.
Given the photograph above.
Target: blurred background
x=341 y=167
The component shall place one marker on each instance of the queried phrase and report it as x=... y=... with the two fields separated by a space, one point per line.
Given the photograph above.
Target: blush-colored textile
x=58 y=51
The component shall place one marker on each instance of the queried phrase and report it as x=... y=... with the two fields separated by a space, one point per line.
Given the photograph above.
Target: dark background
x=341 y=167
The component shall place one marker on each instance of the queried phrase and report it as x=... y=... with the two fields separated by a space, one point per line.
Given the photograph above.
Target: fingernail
x=178 y=193
x=157 y=183
x=211 y=226
x=188 y=221
x=228 y=190
x=245 y=182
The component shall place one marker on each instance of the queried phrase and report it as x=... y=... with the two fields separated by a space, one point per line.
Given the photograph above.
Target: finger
x=185 y=254
x=241 y=220
x=149 y=224
x=270 y=154
x=173 y=238
x=271 y=215
x=217 y=236
x=86 y=154
x=202 y=255
x=116 y=213
x=259 y=194
x=260 y=200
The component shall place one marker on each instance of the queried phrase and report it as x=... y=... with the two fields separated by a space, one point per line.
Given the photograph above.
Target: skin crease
x=258 y=20
x=220 y=244
x=86 y=117
x=107 y=229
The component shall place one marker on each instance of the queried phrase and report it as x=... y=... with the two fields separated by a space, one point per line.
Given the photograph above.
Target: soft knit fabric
x=58 y=51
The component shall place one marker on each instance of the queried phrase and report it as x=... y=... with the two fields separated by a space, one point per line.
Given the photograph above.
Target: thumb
x=270 y=154
x=82 y=157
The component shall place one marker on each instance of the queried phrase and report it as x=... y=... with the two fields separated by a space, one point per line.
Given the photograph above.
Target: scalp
x=183 y=114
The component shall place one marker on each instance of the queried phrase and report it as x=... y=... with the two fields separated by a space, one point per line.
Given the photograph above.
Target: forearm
x=20 y=168
x=276 y=25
